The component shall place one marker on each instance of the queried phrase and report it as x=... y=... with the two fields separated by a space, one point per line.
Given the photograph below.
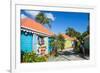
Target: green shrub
x=28 y=57
x=32 y=57
x=40 y=59
x=77 y=47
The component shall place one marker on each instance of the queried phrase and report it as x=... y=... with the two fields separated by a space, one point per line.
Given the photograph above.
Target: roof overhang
x=34 y=31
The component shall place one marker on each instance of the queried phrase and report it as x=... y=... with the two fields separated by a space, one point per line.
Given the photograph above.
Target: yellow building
x=68 y=41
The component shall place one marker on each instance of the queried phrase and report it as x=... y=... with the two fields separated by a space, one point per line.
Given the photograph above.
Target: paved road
x=66 y=56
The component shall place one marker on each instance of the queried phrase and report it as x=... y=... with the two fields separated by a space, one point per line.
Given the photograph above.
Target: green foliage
x=87 y=32
x=84 y=34
x=32 y=57
x=57 y=42
x=40 y=59
x=42 y=19
x=61 y=41
x=88 y=29
x=72 y=32
x=28 y=57
x=77 y=47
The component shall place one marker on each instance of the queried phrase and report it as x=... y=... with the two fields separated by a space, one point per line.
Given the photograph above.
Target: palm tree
x=73 y=33
x=60 y=42
x=42 y=19
x=86 y=33
x=57 y=42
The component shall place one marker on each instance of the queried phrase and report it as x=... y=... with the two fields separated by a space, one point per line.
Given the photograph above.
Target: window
x=40 y=40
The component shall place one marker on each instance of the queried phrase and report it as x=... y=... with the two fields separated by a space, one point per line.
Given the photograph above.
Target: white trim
x=36 y=31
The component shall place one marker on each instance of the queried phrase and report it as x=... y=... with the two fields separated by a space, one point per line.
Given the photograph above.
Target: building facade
x=34 y=37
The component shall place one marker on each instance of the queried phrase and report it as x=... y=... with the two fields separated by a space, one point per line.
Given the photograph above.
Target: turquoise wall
x=29 y=43
x=26 y=42
x=49 y=47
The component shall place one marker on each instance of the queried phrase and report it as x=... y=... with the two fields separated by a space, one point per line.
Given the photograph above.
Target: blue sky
x=62 y=20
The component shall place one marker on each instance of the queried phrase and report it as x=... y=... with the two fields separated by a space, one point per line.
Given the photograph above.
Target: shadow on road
x=67 y=53
x=71 y=52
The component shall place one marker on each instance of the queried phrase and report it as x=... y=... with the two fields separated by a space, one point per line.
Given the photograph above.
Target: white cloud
x=23 y=16
x=33 y=13
x=30 y=13
x=50 y=15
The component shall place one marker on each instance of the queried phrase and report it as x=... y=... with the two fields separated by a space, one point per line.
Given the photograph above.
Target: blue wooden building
x=34 y=37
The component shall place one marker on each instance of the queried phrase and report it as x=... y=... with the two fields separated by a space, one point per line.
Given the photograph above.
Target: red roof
x=35 y=26
x=67 y=37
